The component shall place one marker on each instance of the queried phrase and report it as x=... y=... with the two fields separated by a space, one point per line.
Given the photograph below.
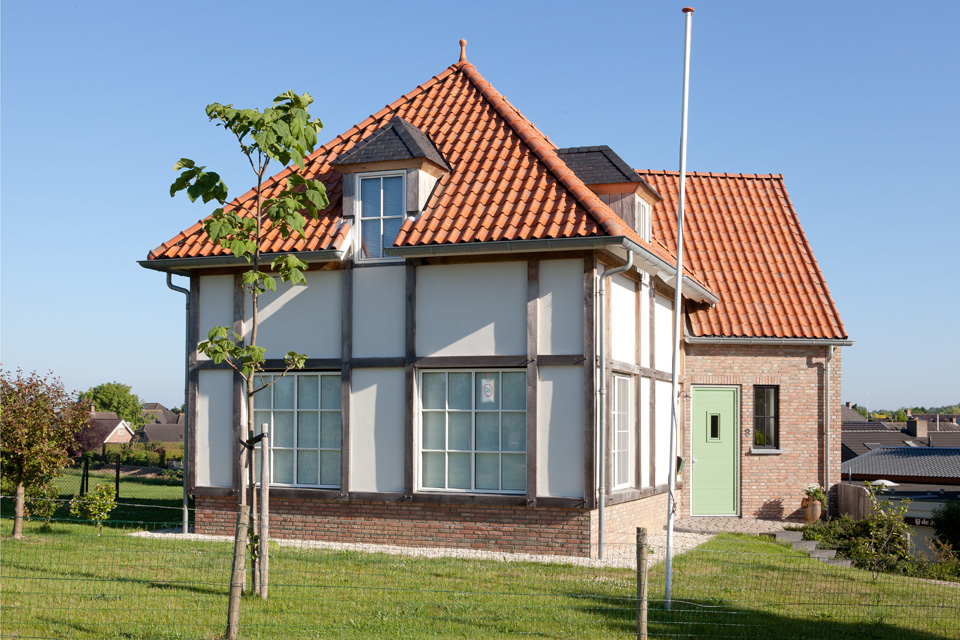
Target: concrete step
x=789 y=536
x=840 y=562
x=823 y=554
x=805 y=545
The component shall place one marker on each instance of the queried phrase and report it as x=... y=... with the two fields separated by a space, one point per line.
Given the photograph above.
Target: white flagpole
x=677 y=308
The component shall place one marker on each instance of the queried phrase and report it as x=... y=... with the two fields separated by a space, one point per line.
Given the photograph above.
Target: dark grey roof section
x=857 y=442
x=598 y=165
x=398 y=140
x=161 y=433
x=866 y=426
x=849 y=414
x=944 y=438
x=906 y=462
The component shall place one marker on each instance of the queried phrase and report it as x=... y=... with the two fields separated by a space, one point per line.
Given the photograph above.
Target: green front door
x=715 y=447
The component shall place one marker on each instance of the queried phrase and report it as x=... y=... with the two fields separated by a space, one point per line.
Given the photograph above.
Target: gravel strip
x=617 y=555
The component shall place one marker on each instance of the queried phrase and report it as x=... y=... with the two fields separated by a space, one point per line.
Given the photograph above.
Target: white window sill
x=765 y=452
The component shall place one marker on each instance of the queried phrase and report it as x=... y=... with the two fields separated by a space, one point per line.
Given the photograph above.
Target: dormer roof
x=398 y=140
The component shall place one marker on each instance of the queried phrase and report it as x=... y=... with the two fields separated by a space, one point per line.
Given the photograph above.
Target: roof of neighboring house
x=744 y=239
x=398 y=140
x=860 y=441
x=900 y=462
x=944 y=438
x=161 y=433
x=849 y=414
x=864 y=426
x=103 y=415
x=158 y=413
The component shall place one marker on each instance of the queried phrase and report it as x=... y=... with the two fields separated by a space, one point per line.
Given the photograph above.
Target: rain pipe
x=186 y=377
x=677 y=312
x=826 y=422
x=603 y=391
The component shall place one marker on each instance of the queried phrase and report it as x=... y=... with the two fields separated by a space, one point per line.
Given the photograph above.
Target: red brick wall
x=540 y=530
x=772 y=485
x=622 y=520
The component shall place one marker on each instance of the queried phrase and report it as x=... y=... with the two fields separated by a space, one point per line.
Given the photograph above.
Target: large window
x=622 y=433
x=473 y=434
x=381 y=213
x=303 y=411
x=766 y=417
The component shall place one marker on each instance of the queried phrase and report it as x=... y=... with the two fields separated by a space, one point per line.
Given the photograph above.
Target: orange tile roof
x=507 y=181
x=744 y=238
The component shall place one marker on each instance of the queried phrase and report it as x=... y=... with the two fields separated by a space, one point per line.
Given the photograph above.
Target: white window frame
x=623 y=440
x=473 y=451
x=333 y=454
x=358 y=210
x=644 y=222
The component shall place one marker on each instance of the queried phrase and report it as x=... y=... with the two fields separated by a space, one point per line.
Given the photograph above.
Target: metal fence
x=146 y=580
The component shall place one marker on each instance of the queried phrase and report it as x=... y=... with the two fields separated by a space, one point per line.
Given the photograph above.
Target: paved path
x=751 y=526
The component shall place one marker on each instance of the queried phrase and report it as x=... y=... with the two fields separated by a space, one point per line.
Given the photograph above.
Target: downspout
x=826 y=423
x=186 y=378
x=603 y=392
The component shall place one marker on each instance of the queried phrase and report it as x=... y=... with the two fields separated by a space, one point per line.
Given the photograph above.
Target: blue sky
x=856 y=103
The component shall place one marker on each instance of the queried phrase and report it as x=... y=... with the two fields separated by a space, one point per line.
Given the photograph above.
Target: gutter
x=186 y=398
x=807 y=342
x=646 y=259
x=172 y=265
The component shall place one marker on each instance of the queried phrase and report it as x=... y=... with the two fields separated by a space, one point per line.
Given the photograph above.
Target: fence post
x=641 y=583
x=118 y=476
x=264 y=511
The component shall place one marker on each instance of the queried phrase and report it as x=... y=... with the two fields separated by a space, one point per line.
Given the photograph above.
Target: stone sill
x=765 y=452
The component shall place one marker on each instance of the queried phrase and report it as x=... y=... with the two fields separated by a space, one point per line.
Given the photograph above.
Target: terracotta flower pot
x=812 y=509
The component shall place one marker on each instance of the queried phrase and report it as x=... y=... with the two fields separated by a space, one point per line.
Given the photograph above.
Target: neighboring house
x=861 y=437
x=935 y=466
x=105 y=427
x=453 y=325
x=157 y=413
x=160 y=433
x=849 y=414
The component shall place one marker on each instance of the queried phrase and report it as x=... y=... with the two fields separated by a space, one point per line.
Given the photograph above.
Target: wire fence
x=147 y=580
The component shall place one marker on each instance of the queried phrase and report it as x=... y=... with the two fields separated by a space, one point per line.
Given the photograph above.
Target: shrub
x=946 y=524
x=95 y=505
x=151 y=458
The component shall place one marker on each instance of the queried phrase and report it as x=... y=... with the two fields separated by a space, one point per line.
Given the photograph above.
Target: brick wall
x=555 y=531
x=623 y=519
x=772 y=485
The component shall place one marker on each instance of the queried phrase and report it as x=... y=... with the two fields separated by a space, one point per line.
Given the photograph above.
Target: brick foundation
x=772 y=485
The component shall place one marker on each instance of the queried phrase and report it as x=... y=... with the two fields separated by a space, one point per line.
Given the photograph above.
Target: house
x=103 y=428
x=157 y=432
x=154 y=412
x=860 y=437
x=459 y=335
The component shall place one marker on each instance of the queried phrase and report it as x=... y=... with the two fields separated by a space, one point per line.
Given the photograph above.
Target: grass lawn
x=147 y=500
x=68 y=583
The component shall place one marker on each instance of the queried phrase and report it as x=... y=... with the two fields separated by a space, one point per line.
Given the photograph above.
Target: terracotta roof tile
x=743 y=236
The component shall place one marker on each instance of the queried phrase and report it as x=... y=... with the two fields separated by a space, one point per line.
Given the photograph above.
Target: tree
x=862 y=411
x=39 y=420
x=283 y=133
x=118 y=398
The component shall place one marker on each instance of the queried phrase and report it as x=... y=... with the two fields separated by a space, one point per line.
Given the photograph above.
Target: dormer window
x=643 y=219
x=381 y=210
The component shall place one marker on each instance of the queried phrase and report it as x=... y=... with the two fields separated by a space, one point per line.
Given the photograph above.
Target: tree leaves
x=198 y=183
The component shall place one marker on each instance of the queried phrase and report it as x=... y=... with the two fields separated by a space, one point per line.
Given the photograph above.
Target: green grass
x=148 y=500
x=68 y=583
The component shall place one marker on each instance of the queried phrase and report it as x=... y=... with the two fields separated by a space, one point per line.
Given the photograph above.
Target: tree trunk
x=265 y=512
x=238 y=576
x=18 y=512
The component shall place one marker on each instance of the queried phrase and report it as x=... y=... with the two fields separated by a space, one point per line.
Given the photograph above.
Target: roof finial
x=463 y=50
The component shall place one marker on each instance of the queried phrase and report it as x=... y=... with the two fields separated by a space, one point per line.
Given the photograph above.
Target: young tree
x=283 y=133
x=39 y=420
x=118 y=398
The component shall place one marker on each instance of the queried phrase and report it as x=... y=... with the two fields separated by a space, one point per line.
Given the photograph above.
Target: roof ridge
x=322 y=150
x=545 y=151
x=712 y=174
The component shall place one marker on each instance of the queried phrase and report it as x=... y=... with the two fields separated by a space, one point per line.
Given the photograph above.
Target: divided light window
x=766 y=417
x=381 y=213
x=473 y=433
x=622 y=440
x=303 y=411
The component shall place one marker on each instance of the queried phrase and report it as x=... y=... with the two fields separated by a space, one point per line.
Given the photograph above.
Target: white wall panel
x=645 y=327
x=472 y=309
x=376 y=430
x=623 y=319
x=664 y=335
x=214 y=426
x=645 y=430
x=216 y=304
x=663 y=432
x=560 y=432
x=302 y=319
x=561 y=307
x=378 y=311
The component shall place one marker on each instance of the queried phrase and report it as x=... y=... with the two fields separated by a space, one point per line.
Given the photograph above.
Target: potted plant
x=813 y=502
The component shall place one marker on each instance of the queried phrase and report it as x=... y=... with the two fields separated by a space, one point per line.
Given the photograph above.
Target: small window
x=643 y=219
x=622 y=437
x=380 y=204
x=766 y=417
x=714 y=426
x=473 y=431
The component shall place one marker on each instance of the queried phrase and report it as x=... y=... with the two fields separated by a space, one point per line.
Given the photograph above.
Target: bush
x=41 y=501
x=95 y=505
x=946 y=524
